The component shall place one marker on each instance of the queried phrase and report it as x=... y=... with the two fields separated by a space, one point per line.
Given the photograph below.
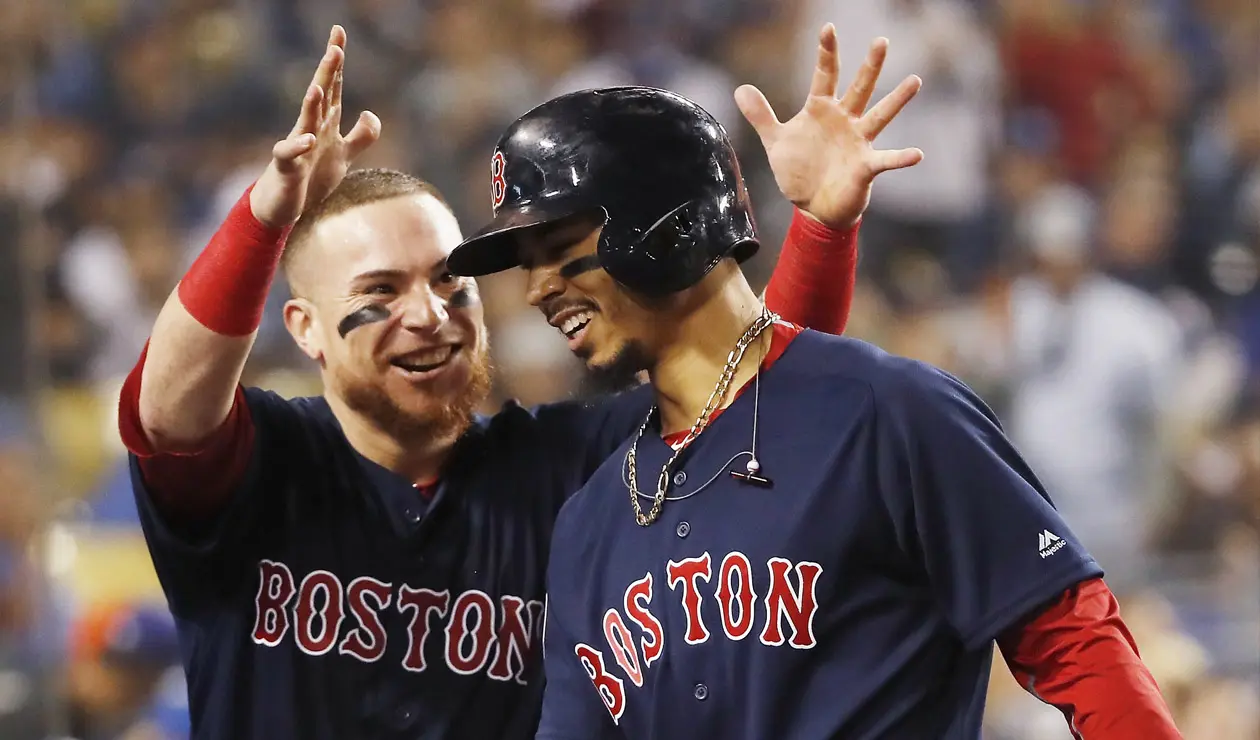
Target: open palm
x=823 y=158
x=312 y=160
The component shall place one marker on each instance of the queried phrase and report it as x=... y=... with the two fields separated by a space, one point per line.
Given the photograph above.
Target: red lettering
x=741 y=591
x=498 y=186
x=798 y=606
x=685 y=573
x=327 y=588
x=421 y=602
x=366 y=641
x=610 y=688
x=275 y=590
x=637 y=598
x=516 y=632
x=465 y=660
x=622 y=643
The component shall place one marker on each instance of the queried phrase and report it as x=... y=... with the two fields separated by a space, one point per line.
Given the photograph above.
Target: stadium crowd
x=1081 y=245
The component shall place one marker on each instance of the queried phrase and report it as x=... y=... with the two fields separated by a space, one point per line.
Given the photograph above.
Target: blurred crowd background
x=1081 y=244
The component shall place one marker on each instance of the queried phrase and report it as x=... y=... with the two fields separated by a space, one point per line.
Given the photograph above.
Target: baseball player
x=370 y=563
x=805 y=537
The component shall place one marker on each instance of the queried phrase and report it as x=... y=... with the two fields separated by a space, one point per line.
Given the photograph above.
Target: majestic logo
x=498 y=185
x=1048 y=543
x=478 y=632
x=790 y=600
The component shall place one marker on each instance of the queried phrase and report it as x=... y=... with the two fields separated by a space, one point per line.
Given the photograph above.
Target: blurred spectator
x=637 y=44
x=167 y=717
x=955 y=119
x=1090 y=364
x=1063 y=58
x=120 y=653
x=28 y=640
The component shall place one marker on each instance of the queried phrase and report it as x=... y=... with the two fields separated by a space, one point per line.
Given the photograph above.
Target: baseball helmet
x=660 y=168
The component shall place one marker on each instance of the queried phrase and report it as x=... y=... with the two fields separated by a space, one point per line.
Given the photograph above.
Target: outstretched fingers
x=878 y=117
x=827 y=71
x=337 y=39
x=310 y=112
x=858 y=96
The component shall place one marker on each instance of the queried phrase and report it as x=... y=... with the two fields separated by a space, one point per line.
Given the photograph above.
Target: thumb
x=364 y=134
x=885 y=160
x=756 y=109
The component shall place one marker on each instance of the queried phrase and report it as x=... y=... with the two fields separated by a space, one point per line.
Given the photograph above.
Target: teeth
x=435 y=356
x=575 y=322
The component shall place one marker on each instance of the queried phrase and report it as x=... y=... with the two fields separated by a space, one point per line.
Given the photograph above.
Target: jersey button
x=680 y=478
x=413 y=516
x=701 y=692
x=683 y=529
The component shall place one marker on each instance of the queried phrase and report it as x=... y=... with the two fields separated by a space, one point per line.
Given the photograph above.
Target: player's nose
x=423 y=311
x=543 y=284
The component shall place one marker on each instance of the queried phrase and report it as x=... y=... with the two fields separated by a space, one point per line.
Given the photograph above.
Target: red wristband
x=813 y=282
x=226 y=287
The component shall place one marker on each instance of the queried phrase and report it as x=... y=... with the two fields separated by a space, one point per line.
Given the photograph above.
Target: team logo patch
x=498 y=185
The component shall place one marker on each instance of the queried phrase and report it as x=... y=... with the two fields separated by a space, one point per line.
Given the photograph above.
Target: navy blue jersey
x=329 y=601
x=857 y=598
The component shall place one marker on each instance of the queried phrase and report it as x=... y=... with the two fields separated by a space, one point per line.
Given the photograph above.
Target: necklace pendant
x=753 y=478
x=719 y=392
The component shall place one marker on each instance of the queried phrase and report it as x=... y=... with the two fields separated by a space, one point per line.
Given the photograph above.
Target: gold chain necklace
x=715 y=400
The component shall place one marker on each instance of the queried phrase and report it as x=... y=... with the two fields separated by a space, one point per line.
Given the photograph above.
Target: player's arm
x=1076 y=654
x=813 y=281
x=181 y=412
x=1001 y=561
x=825 y=163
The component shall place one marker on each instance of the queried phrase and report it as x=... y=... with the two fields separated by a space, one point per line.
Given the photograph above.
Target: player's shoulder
x=301 y=427
x=585 y=428
x=894 y=382
x=560 y=414
x=270 y=406
x=845 y=359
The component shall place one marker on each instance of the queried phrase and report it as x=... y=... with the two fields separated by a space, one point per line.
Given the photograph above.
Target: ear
x=303 y=325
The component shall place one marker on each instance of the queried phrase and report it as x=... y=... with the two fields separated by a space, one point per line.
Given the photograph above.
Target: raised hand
x=314 y=157
x=823 y=158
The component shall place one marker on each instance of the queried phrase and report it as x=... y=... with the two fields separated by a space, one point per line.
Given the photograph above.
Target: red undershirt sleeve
x=225 y=290
x=812 y=285
x=191 y=486
x=1078 y=656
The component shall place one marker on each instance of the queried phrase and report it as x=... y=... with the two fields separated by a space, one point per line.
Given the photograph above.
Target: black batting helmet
x=659 y=167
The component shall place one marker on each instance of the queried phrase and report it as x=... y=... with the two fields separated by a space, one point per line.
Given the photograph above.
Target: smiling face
x=611 y=329
x=400 y=339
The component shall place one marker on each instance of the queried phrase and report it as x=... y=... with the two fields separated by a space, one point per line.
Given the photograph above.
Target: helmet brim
x=495 y=248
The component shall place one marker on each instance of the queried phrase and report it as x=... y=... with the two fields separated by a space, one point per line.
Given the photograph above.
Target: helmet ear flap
x=677 y=251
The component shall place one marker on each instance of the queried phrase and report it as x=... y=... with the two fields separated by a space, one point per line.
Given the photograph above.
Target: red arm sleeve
x=192 y=486
x=812 y=285
x=1078 y=656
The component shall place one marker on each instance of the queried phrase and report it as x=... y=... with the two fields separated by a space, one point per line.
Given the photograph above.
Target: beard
x=621 y=372
x=440 y=417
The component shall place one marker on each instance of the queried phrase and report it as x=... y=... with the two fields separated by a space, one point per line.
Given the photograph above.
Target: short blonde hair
x=358 y=188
